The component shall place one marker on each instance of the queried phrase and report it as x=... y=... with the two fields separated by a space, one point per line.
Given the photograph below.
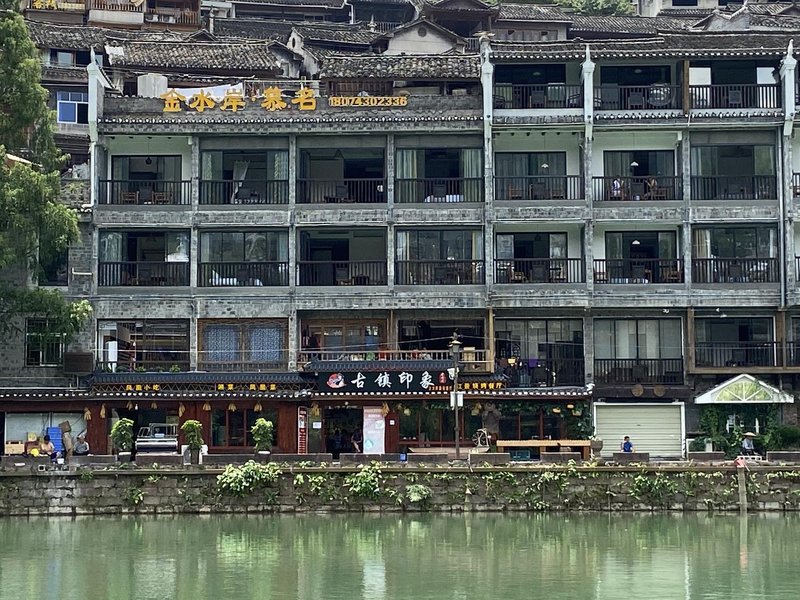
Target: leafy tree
x=33 y=223
x=599 y=7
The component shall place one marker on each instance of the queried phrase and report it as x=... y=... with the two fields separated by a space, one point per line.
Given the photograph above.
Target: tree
x=34 y=225
x=599 y=7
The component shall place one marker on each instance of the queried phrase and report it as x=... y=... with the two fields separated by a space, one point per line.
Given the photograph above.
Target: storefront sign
x=217 y=387
x=302 y=430
x=392 y=381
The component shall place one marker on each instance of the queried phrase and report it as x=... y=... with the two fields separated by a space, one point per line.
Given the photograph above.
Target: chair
x=439 y=190
x=636 y=100
x=639 y=373
x=162 y=198
x=638 y=273
x=130 y=198
x=342 y=191
x=735 y=98
x=540 y=273
x=672 y=274
x=735 y=273
x=342 y=275
x=538 y=191
x=513 y=192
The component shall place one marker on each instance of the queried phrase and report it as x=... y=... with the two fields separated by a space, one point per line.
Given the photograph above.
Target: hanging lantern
x=232 y=407
x=102 y=411
x=384 y=409
x=154 y=405
x=207 y=407
x=87 y=414
x=407 y=412
x=258 y=407
x=556 y=410
x=570 y=406
x=181 y=409
x=129 y=405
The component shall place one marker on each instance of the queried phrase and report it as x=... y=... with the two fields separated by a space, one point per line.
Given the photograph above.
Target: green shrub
x=697 y=445
x=244 y=480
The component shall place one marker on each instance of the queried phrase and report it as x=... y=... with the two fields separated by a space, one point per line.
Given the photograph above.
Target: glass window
x=455 y=244
x=242 y=345
x=43 y=347
x=72 y=107
x=238 y=246
x=637 y=338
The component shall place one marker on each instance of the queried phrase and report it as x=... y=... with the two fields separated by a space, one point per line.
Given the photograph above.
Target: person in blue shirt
x=627 y=446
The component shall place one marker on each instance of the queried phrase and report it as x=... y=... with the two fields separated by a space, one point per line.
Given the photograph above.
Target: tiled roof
x=625 y=25
x=297 y=3
x=254 y=29
x=384 y=66
x=685 y=13
x=531 y=12
x=758 y=8
x=197 y=56
x=775 y=22
x=343 y=34
x=70 y=37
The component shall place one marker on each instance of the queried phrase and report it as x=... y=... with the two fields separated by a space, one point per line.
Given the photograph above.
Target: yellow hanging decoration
x=207 y=407
x=181 y=409
x=154 y=405
x=258 y=407
x=87 y=414
x=129 y=405
x=314 y=410
x=102 y=411
x=232 y=407
x=384 y=409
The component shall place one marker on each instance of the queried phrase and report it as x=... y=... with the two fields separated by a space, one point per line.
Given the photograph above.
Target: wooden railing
x=337 y=191
x=374 y=354
x=551 y=95
x=539 y=270
x=439 y=272
x=738 y=354
x=243 y=274
x=735 y=270
x=117 y=5
x=246 y=361
x=150 y=360
x=141 y=273
x=734 y=187
x=639 y=370
x=638 y=97
x=638 y=271
x=134 y=191
x=651 y=188
x=355 y=272
x=539 y=187
x=735 y=96
x=172 y=16
x=437 y=190
x=262 y=191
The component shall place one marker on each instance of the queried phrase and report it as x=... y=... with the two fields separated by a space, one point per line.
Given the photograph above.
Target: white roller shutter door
x=654 y=428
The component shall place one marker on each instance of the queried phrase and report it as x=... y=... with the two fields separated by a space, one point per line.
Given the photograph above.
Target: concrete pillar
x=293 y=341
x=292 y=254
x=588 y=347
x=487 y=82
x=684 y=147
x=390 y=233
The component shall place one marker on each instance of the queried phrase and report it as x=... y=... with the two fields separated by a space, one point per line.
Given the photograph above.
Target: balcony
x=248 y=361
x=148 y=361
x=638 y=271
x=539 y=270
x=738 y=354
x=116 y=12
x=341 y=191
x=263 y=191
x=439 y=272
x=538 y=187
x=545 y=373
x=244 y=274
x=659 y=96
x=623 y=371
x=144 y=192
x=307 y=356
x=438 y=190
x=654 y=189
x=169 y=15
x=538 y=96
x=143 y=273
x=734 y=187
x=735 y=96
x=735 y=270
x=327 y=273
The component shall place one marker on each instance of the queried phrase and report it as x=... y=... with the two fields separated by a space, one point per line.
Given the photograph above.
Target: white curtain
x=403 y=240
x=111 y=247
x=239 y=174
x=407 y=171
x=701 y=243
x=471 y=171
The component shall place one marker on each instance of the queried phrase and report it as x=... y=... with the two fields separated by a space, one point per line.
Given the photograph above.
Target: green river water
x=403 y=557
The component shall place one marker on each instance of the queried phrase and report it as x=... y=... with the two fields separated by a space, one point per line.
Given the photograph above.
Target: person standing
x=626 y=445
x=356 y=441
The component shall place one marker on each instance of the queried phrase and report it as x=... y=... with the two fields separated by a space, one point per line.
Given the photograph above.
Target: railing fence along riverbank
x=281 y=487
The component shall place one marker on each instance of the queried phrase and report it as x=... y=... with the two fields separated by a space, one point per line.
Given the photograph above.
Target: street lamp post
x=455 y=352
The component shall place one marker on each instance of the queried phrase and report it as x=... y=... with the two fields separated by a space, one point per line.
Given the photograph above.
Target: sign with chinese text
x=217 y=387
x=374 y=430
x=393 y=381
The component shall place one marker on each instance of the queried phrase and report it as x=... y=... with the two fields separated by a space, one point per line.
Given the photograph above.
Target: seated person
x=747 y=444
x=81 y=446
x=652 y=187
x=627 y=445
x=46 y=448
x=616 y=188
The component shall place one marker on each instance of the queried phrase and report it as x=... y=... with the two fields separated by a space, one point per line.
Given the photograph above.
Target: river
x=402 y=557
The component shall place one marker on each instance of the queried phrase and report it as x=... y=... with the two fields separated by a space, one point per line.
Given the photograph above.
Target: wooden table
x=584 y=445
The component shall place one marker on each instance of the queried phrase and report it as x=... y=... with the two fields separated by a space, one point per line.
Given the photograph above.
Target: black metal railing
x=243 y=274
x=539 y=270
x=539 y=187
x=148 y=360
x=246 y=361
x=262 y=191
x=141 y=273
x=439 y=272
x=735 y=96
x=137 y=192
x=737 y=354
x=639 y=370
x=655 y=188
x=531 y=373
x=551 y=95
x=638 y=97
x=793 y=354
x=637 y=271
x=354 y=272
x=333 y=191
x=438 y=190
x=734 y=187
x=735 y=270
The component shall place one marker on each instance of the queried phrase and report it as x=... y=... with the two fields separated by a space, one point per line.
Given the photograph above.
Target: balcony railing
x=117 y=5
x=307 y=356
x=638 y=271
x=735 y=96
x=540 y=187
x=439 y=272
x=662 y=96
x=539 y=270
x=737 y=354
x=735 y=270
x=263 y=191
x=130 y=273
x=356 y=272
x=133 y=191
x=149 y=360
x=247 y=361
x=552 y=95
x=244 y=274
x=333 y=191
x=438 y=189
x=531 y=373
x=793 y=354
x=172 y=16
x=639 y=370
x=734 y=187
x=657 y=188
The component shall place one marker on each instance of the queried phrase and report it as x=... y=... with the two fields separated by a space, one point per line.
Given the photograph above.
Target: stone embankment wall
x=286 y=488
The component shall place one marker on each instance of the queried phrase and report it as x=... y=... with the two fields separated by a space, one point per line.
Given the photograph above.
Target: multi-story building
x=608 y=226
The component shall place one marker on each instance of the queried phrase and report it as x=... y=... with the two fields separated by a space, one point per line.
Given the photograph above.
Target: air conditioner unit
x=78 y=363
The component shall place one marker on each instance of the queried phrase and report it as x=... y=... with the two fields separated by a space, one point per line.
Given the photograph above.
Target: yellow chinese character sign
x=201 y=101
x=172 y=101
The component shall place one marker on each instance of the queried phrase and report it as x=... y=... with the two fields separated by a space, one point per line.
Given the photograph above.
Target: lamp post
x=455 y=352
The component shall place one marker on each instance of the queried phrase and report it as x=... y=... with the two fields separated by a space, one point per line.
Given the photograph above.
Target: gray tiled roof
x=197 y=56
x=254 y=29
x=385 y=66
x=531 y=12
x=339 y=33
x=70 y=37
x=625 y=25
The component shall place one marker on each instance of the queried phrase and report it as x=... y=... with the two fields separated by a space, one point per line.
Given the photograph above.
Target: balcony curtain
x=512 y=170
x=471 y=172
x=239 y=174
x=120 y=169
x=221 y=343
x=265 y=343
x=403 y=245
x=111 y=247
x=407 y=169
x=701 y=243
x=280 y=165
x=617 y=164
x=169 y=168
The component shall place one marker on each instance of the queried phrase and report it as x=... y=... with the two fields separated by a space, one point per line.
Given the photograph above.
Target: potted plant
x=122 y=436
x=193 y=434
x=262 y=435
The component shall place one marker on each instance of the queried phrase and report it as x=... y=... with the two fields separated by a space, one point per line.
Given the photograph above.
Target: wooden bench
x=543 y=445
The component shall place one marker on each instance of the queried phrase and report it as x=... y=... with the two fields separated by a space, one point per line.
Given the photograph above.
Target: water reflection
x=401 y=557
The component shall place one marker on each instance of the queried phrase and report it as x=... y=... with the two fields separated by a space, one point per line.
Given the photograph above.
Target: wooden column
x=392 y=440
x=97 y=433
x=286 y=433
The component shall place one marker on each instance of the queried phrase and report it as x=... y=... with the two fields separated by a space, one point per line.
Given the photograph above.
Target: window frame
x=75 y=103
x=40 y=339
